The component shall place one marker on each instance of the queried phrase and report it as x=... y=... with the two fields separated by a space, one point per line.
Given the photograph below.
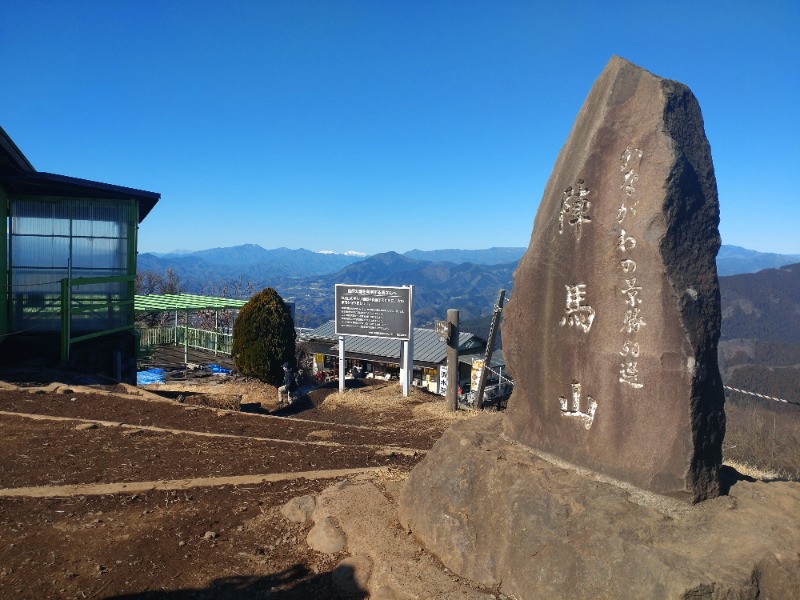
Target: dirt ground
x=119 y=492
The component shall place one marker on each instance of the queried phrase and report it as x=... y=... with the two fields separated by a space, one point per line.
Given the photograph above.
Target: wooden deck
x=172 y=357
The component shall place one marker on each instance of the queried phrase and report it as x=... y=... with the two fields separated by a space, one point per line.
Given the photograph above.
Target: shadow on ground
x=294 y=583
x=728 y=477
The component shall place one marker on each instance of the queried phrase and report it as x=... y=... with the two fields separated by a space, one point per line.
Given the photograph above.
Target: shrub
x=264 y=337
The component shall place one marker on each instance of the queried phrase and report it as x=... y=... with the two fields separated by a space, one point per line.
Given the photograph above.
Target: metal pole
x=5 y=266
x=404 y=370
x=69 y=291
x=341 y=363
x=407 y=348
x=65 y=308
x=451 y=396
x=216 y=331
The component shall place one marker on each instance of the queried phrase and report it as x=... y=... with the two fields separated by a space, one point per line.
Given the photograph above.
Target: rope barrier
x=501 y=378
x=733 y=389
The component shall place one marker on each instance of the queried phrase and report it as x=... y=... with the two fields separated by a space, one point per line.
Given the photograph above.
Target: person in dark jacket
x=289 y=386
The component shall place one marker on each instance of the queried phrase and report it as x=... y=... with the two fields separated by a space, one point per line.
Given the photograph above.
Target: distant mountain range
x=490 y=256
x=733 y=260
x=759 y=349
x=763 y=306
x=467 y=280
x=284 y=262
x=250 y=260
x=308 y=278
x=302 y=262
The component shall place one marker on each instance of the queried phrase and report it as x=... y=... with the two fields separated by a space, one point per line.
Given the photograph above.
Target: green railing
x=200 y=339
x=89 y=304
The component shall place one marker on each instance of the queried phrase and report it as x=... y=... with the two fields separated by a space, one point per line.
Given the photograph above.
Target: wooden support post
x=451 y=396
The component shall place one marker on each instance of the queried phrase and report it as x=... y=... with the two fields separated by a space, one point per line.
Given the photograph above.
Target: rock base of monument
x=500 y=514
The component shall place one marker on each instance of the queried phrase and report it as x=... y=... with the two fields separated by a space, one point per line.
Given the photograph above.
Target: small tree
x=264 y=337
x=150 y=282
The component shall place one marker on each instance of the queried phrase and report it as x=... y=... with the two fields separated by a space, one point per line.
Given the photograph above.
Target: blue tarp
x=150 y=376
x=157 y=375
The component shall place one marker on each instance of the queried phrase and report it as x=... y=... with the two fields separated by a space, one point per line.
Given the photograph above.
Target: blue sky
x=383 y=125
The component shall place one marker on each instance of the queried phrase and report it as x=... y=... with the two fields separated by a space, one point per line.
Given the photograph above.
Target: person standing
x=289 y=385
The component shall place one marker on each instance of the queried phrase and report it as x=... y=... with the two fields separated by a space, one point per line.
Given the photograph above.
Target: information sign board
x=373 y=311
x=443 y=330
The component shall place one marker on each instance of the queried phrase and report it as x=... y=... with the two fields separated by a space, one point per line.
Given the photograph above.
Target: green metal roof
x=165 y=302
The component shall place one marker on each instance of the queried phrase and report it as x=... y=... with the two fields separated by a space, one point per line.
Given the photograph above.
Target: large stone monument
x=603 y=478
x=612 y=329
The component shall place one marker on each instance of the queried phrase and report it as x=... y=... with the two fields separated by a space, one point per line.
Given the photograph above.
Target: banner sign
x=443 y=380
x=373 y=311
x=477 y=367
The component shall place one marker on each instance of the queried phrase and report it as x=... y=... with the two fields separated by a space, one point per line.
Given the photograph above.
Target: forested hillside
x=759 y=349
x=438 y=286
x=763 y=306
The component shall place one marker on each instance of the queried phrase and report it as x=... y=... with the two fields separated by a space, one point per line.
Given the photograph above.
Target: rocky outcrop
x=384 y=562
x=513 y=519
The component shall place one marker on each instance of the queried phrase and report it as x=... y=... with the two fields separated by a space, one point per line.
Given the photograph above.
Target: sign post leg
x=341 y=363
x=406 y=366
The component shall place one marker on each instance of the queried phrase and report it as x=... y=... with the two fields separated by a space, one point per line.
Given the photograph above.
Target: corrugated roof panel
x=165 y=302
x=325 y=331
x=428 y=348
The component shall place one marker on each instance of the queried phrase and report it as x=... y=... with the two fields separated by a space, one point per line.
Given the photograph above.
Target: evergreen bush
x=264 y=337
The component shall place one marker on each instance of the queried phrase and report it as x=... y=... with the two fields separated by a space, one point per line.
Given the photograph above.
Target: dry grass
x=388 y=397
x=764 y=439
x=761 y=474
x=438 y=410
x=390 y=475
x=223 y=401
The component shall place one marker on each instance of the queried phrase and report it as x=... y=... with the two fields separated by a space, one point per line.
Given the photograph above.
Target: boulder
x=326 y=537
x=299 y=509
